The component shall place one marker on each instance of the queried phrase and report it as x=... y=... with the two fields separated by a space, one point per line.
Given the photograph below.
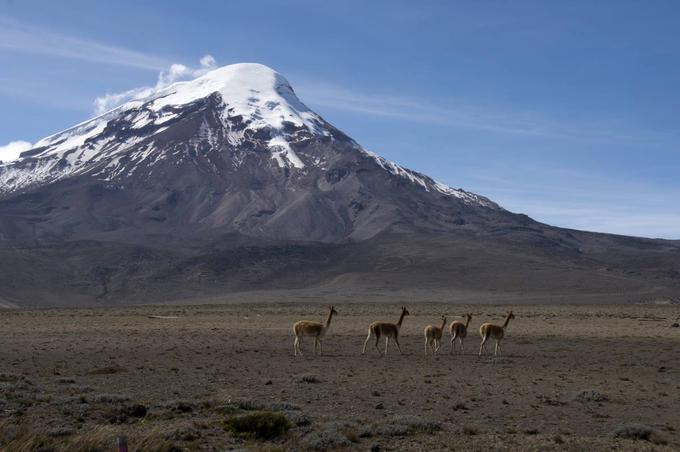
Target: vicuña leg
x=387 y=343
x=300 y=347
x=482 y=346
x=368 y=338
x=396 y=341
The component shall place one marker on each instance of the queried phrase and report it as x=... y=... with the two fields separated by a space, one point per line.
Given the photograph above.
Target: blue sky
x=566 y=111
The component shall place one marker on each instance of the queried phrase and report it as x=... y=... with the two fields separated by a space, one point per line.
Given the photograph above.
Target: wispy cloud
x=20 y=37
x=11 y=150
x=176 y=72
x=499 y=119
x=327 y=95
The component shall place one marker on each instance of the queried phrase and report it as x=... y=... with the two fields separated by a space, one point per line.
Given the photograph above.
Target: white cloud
x=19 y=37
x=11 y=150
x=175 y=73
x=208 y=61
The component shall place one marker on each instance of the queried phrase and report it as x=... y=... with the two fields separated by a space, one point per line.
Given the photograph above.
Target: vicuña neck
x=507 y=320
x=443 y=323
x=467 y=323
x=401 y=318
x=328 y=319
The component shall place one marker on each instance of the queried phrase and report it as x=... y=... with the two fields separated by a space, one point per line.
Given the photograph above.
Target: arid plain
x=171 y=377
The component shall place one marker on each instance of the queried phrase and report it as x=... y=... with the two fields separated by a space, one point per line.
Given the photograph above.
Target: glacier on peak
x=259 y=96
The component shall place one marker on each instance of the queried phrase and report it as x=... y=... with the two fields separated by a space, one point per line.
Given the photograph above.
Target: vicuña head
x=458 y=330
x=489 y=330
x=316 y=330
x=433 y=336
x=389 y=330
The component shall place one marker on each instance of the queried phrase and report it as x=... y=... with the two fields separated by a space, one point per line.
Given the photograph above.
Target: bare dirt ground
x=570 y=378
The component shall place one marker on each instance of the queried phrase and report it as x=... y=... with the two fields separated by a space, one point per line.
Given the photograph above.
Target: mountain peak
x=241 y=122
x=254 y=100
x=253 y=91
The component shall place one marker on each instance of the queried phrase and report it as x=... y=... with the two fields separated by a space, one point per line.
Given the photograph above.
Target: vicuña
x=316 y=330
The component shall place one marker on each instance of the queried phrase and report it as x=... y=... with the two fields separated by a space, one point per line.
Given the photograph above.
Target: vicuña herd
x=433 y=333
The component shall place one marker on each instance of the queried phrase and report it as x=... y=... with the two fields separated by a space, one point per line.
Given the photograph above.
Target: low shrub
x=261 y=425
x=110 y=398
x=591 y=395
x=307 y=378
x=331 y=436
x=639 y=432
x=408 y=425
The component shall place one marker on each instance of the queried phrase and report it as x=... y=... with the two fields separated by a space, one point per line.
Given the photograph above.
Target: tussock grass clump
x=178 y=406
x=36 y=437
x=408 y=425
x=297 y=417
x=306 y=378
x=292 y=412
x=227 y=409
x=591 y=395
x=233 y=406
x=260 y=425
x=639 y=432
x=110 y=398
x=331 y=436
x=459 y=405
x=283 y=406
x=125 y=413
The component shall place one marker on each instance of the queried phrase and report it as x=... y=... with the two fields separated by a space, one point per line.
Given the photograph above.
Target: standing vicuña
x=496 y=332
x=314 y=329
x=389 y=330
x=458 y=331
x=433 y=336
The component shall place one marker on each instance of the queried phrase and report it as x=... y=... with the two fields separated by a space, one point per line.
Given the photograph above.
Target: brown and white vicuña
x=433 y=336
x=496 y=332
x=458 y=330
x=388 y=330
x=317 y=330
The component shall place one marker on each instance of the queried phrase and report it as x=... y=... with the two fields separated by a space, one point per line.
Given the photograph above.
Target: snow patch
x=428 y=183
x=282 y=153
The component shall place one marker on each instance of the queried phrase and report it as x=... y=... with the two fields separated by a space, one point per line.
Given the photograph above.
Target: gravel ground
x=571 y=377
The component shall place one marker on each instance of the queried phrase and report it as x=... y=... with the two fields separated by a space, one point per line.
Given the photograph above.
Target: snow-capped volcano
x=254 y=98
x=242 y=153
x=230 y=183
x=255 y=101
